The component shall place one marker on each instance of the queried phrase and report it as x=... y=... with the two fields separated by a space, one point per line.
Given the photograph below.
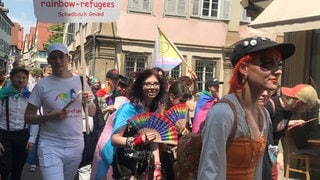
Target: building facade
x=202 y=30
x=35 y=54
x=5 y=37
x=300 y=26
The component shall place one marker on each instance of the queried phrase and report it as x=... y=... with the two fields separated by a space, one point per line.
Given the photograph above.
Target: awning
x=289 y=16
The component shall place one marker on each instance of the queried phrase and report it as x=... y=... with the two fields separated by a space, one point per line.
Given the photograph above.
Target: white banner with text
x=76 y=11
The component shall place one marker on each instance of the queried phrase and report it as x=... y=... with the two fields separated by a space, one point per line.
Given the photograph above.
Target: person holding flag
x=61 y=140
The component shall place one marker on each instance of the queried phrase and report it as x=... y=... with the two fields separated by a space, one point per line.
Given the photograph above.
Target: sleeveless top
x=244 y=154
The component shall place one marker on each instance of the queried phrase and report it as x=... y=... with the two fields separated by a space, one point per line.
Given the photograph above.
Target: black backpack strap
x=7 y=112
x=273 y=107
x=82 y=88
x=81 y=79
x=235 y=121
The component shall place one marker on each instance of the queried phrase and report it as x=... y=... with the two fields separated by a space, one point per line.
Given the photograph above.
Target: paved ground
x=27 y=175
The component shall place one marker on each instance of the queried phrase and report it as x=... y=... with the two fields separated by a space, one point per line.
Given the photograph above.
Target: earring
x=243 y=92
x=243 y=81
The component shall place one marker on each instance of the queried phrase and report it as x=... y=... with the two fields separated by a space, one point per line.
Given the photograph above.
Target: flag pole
x=84 y=70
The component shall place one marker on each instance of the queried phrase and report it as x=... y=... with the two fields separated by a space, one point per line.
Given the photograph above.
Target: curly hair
x=135 y=93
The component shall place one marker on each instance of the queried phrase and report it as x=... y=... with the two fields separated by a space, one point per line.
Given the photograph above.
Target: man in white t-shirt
x=61 y=139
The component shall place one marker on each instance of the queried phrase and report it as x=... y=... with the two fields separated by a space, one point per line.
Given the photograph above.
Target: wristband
x=138 y=141
x=129 y=142
x=157 y=166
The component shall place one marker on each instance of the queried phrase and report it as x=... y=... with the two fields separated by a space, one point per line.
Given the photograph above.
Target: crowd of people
x=132 y=130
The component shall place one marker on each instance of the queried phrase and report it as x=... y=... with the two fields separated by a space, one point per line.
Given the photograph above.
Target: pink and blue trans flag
x=105 y=151
x=204 y=104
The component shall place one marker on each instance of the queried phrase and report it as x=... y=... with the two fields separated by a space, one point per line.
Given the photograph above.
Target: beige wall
x=178 y=30
x=194 y=37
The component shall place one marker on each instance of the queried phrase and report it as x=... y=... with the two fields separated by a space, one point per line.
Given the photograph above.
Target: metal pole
x=94 y=49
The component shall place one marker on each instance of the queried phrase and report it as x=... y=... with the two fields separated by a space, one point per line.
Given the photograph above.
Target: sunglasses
x=269 y=63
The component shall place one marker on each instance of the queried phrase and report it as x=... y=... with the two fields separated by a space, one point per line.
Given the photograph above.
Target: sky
x=21 y=11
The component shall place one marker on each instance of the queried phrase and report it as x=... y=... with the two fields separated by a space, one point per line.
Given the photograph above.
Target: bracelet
x=157 y=166
x=129 y=142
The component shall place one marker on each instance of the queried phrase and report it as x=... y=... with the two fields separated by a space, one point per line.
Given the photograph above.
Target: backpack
x=189 y=149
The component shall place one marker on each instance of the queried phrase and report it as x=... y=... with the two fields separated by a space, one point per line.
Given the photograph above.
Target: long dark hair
x=136 y=91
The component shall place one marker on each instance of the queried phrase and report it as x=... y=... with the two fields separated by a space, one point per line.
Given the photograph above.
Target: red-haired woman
x=256 y=64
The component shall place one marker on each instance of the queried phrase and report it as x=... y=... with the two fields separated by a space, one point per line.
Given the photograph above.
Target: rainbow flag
x=165 y=54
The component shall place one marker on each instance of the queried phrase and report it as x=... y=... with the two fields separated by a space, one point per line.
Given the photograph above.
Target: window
x=243 y=16
x=210 y=8
x=143 y=6
x=205 y=69
x=216 y=9
x=70 y=37
x=42 y=54
x=135 y=63
x=175 y=73
x=176 y=7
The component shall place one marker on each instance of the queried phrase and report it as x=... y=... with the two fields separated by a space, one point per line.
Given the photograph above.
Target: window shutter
x=146 y=5
x=133 y=4
x=176 y=7
x=140 y=5
x=182 y=7
x=171 y=7
x=225 y=8
x=196 y=7
x=243 y=16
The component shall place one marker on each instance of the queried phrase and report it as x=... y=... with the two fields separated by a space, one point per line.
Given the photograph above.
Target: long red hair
x=236 y=78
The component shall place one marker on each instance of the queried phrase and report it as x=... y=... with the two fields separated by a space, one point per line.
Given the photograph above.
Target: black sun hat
x=256 y=44
x=213 y=82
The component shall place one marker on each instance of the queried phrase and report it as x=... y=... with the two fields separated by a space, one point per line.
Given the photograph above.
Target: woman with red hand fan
x=175 y=109
x=137 y=154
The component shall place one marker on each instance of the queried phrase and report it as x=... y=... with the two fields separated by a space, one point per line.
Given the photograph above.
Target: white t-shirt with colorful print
x=55 y=93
